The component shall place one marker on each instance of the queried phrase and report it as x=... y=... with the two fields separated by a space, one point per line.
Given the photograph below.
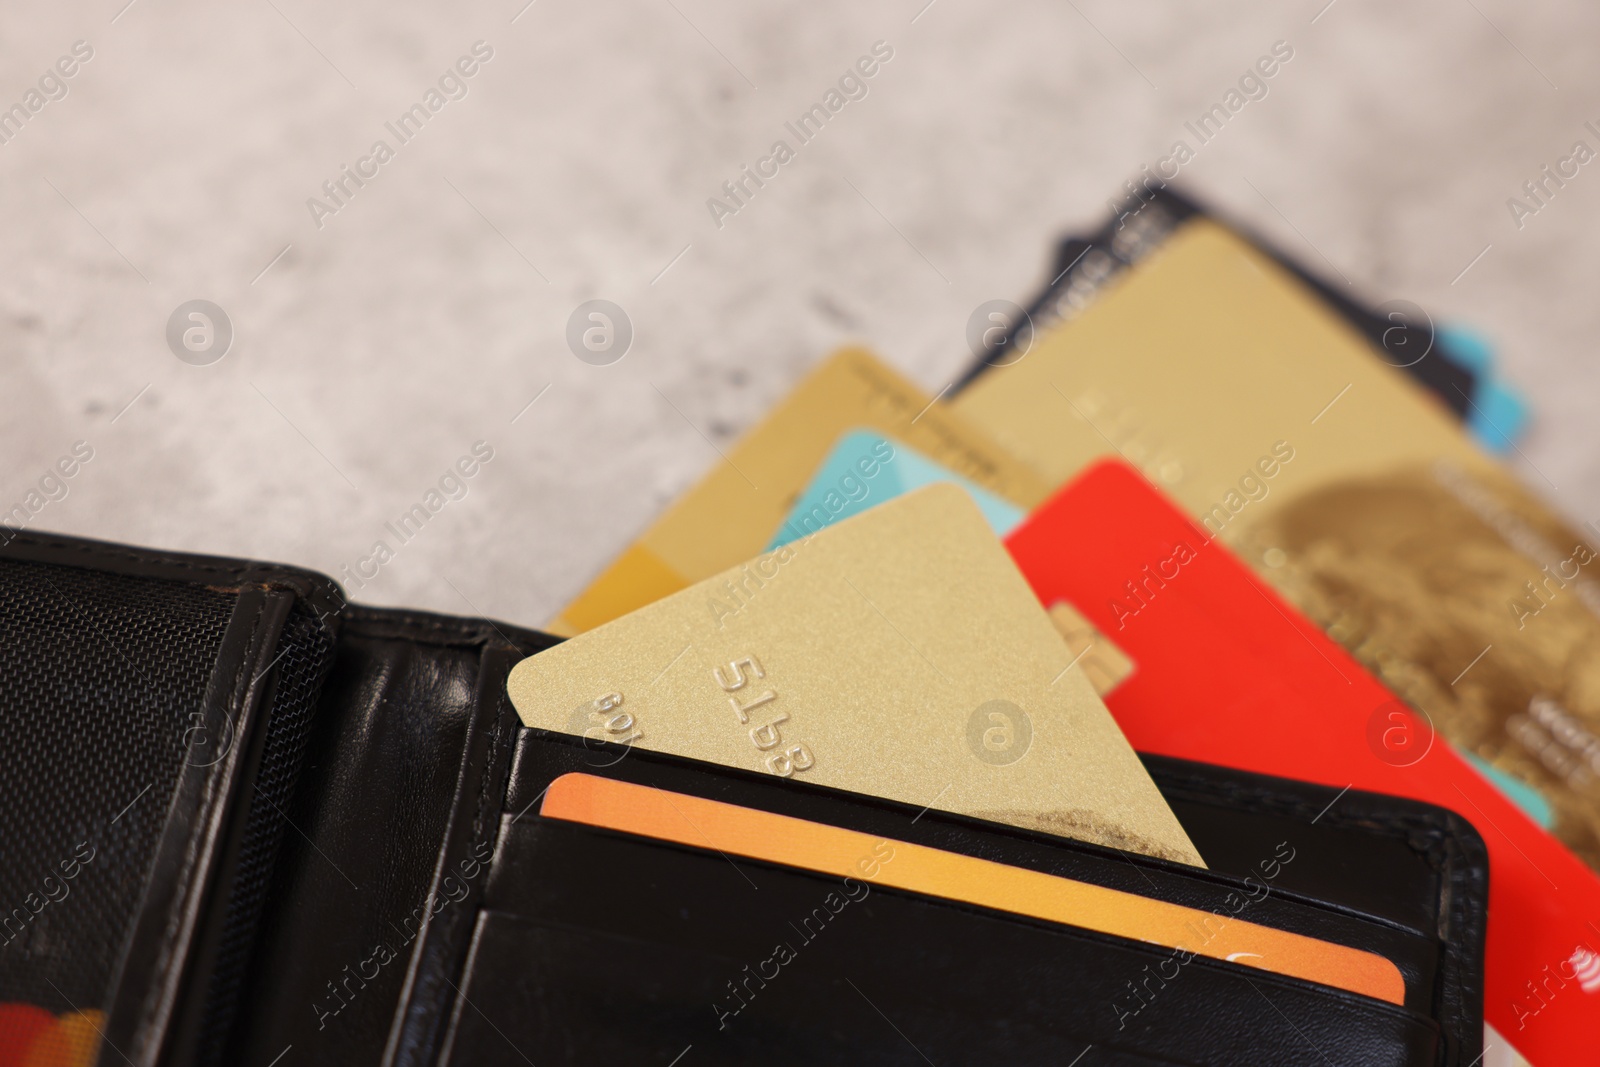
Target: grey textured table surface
x=373 y=350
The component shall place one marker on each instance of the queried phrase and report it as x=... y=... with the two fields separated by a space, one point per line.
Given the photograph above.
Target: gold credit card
x=1245 y=397
x=730 y=515
x=898 y=653
x=1104 y=664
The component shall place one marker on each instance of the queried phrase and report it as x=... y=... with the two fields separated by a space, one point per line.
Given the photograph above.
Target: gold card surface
x=1239 y=392
x=898 y=653
x=730 y=514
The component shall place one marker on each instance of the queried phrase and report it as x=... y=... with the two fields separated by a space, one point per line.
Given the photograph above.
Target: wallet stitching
x=102 y=552
x=303 y=583
x=383 y=622
x=1469 y=911
x=1395 y=823
x=1438 y=826
x=146 y=557
x=496 y=738
x=404 y=621
x=465 y=629
x=306 y=584
x=482 y=825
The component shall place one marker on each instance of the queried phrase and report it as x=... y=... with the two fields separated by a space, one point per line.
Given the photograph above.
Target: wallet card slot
x=1254 y=896
x=551 y=994
x=965 y=974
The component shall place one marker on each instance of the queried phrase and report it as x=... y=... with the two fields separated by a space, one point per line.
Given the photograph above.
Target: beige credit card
x=730 y=514
x=899 y=653
x=1240 y=393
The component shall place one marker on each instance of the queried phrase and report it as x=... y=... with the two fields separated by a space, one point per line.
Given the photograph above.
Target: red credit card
x=1227 y=672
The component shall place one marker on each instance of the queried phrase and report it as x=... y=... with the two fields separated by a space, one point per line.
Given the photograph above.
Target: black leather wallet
x=305 y=831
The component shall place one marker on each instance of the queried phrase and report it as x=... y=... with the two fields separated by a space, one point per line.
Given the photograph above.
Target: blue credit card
x=865 y=469
x=1497 y=414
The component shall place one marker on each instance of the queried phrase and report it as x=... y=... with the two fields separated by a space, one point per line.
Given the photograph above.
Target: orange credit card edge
x=763 y=835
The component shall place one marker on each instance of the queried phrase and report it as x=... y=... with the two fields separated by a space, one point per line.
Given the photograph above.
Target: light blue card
x=865 y=469
x=1498 y=414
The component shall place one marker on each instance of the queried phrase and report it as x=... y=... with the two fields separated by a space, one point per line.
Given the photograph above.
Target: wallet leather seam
x=147 y=564
x=439 y=629
x=99 y=551
x=184 y=882
x=212 y=794
x=480 y=821
x=1397 y=823
x=440 y=950
x=235 y=569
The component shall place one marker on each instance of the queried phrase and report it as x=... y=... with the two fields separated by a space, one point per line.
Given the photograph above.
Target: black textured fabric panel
x=103 y=676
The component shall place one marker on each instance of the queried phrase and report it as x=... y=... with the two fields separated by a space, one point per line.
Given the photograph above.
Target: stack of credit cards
x=930 y=669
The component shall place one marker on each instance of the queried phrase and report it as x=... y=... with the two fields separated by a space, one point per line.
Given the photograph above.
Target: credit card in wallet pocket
x=897 y=654
x=762 y=835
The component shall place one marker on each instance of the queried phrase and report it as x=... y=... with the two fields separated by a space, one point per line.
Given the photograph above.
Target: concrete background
x=432 y=307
